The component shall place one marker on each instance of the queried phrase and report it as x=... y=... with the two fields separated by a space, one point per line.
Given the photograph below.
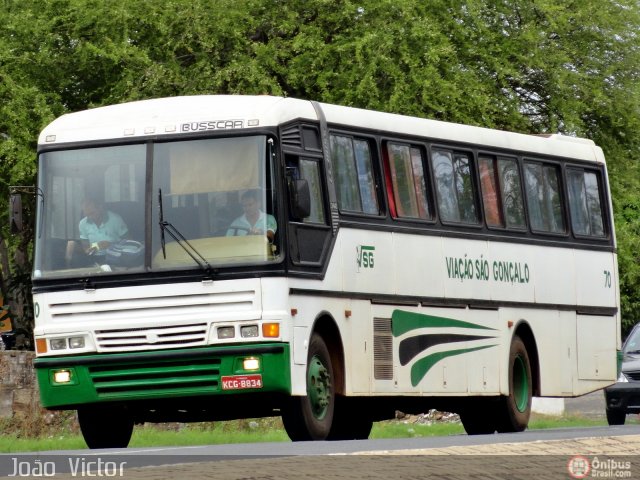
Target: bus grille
x=168 y=377
x=155 y=308
x=382 y=349
x=143 y=338
x=154 y=322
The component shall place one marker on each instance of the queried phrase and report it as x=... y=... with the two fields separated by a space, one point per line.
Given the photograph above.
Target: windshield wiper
x=180 y=240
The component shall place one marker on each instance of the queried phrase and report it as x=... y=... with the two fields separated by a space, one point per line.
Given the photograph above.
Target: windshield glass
x=216 y=193
x=632 y=343
x=93 y=203
x=217 y=205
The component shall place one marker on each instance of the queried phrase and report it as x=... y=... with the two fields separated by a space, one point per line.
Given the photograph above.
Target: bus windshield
x=105 y=212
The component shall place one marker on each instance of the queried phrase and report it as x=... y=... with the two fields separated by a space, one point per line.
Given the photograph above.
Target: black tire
x=310 y=417
x=351 y=420
x=515 y=410
x=105 y=427
x=616 y=417
x=479 y=417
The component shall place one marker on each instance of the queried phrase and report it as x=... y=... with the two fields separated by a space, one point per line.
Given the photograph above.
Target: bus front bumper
x=69 y=381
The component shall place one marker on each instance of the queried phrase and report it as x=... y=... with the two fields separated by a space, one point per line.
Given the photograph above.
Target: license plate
x=241 y=382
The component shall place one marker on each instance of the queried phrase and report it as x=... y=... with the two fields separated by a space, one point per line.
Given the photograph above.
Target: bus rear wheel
x=105 y=427
x=515 y=410
x=479 y=416
x=310 y=417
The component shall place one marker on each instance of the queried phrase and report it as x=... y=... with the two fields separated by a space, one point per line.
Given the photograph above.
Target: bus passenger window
x=454 y=187
x=353 y=173
x=407 y=176
x=490 y=196
x=543 y=197
x=584 y=203
x=501 y=192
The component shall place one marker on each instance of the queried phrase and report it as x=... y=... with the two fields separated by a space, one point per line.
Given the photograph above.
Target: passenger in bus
x=254 y=221
x=100 y=227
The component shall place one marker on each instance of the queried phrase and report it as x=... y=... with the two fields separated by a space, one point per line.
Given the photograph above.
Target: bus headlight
x=622 y=378
x=249 y=331
x=226 y=332
x=76 y=342
x=58 y=343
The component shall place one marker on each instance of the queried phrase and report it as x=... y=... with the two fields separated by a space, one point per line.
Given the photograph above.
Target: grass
x=62 y=433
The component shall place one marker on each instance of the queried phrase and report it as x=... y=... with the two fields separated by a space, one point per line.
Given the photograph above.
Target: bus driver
x=254 y=221
x=100 y=227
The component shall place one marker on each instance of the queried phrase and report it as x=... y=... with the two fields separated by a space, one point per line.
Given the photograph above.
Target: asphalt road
x=530 y=454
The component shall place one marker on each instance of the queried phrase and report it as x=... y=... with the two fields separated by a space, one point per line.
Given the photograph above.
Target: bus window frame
x=559 y=166
x=378 y=184
x=473 y=169
x=496 y=157
x=427 y=176
x=604 y=201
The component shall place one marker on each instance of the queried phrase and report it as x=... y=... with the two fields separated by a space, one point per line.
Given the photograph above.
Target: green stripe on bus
x=422 y=366
x=403 y=322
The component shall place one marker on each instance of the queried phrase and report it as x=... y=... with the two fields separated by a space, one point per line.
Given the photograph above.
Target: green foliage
x=540 y=66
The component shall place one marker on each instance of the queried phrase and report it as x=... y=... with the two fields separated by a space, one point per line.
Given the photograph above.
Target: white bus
x=218 y=257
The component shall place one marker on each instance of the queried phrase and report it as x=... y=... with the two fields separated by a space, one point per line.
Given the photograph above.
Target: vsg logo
x=365 y=256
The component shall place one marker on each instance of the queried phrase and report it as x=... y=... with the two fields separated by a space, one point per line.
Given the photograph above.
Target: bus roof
x=215 y=112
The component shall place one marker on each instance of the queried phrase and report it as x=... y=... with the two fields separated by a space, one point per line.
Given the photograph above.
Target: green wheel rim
x=318 y=387
x=520 y=384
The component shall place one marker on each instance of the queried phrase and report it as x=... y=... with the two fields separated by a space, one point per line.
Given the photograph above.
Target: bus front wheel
x=351 y=420
x=310 y=417
x=516 y=407
x=105 y=427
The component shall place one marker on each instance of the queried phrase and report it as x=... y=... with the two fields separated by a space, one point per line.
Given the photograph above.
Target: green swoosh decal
x=422 y=366
x=403 y=322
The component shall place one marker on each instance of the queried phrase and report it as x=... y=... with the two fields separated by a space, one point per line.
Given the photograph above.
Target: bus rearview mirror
x=300 y=198
x=15 y=213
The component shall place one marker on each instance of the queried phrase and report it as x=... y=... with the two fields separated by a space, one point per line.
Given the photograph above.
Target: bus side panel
x=596 y=341
x=555 y=336
x=353 y=320
x=441 y=351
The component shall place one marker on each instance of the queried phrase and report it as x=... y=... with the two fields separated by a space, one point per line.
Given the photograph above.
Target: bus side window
x=584 y=202
x=501 y=192
x=353 y=173
x=454 y=187
x=406 y=167
x=543 y=197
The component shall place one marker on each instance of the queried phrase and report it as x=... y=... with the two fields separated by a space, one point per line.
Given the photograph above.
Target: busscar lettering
x=211 y=125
